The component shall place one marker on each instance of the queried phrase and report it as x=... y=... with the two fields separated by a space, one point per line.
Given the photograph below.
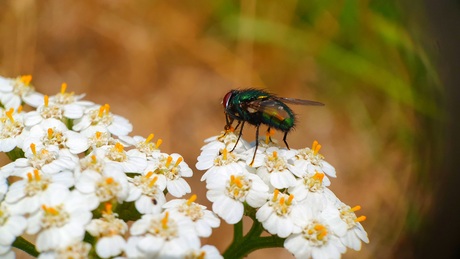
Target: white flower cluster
x=287 y=189
x=77 y=171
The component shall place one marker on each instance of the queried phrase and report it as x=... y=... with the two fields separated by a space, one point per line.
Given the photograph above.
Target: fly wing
x=299 y=101
x=270 y=107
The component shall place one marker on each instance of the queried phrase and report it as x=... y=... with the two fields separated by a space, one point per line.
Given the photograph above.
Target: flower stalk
x=242 y=246
x=26 y=246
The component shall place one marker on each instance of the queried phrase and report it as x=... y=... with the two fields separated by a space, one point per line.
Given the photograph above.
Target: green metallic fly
x=258 y=107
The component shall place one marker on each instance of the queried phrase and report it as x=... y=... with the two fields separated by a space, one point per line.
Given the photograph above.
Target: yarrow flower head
x=284 y=191
x=75 y=173
x=77 y=177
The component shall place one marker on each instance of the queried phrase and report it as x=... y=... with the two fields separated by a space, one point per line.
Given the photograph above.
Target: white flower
x=319 y=236
x=219 y=164
x=132 y=161
x=253 y=158
x=310 y=161
x=61 y=220
x=147 y=192
x=228 y=192
x=75 y=250
x=227 y=139
x=49 y=161
x=98 y=136
x=111 y=184
x=43 y=112
x=163 y=235
x=101 y=116
x=280 y=214
x=12 y=130
x=174 y=168
x=355 y=233
x=52 y=132
x=202 y=218
x=11 y=226
x=26 y=196
x=275 y=170
x=144 y=145
x=93 y=162
x=14 y=91
x=109 y=231
x=71 y=104
x=312 y=190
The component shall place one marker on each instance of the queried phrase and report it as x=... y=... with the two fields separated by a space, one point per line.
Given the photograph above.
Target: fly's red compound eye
x=226 y=99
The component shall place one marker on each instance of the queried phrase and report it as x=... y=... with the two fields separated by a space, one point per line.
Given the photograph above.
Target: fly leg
x=239 y=135
x=284 y=139
x=257 y=144
x=229 y=122
x=237 y=125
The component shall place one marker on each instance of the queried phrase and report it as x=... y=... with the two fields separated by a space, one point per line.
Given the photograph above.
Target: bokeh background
x=380 y=66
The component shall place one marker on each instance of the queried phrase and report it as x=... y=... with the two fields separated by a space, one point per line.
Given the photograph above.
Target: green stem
x=15 y=154
x=242 y=246
x=238 y=231
x=69 y=123
x=128 y=212
x=25 y=246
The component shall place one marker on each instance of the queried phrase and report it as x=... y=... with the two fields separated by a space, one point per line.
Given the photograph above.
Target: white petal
x=110 y=246
x=32 y=118
x=76 y=142
x=8 y=144
x=178 y=188
x=120 y=126
x=230 y=210
x=150 y=244
x=73 y=111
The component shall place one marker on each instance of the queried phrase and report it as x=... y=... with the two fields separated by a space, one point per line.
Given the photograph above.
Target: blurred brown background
x=165 y=66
